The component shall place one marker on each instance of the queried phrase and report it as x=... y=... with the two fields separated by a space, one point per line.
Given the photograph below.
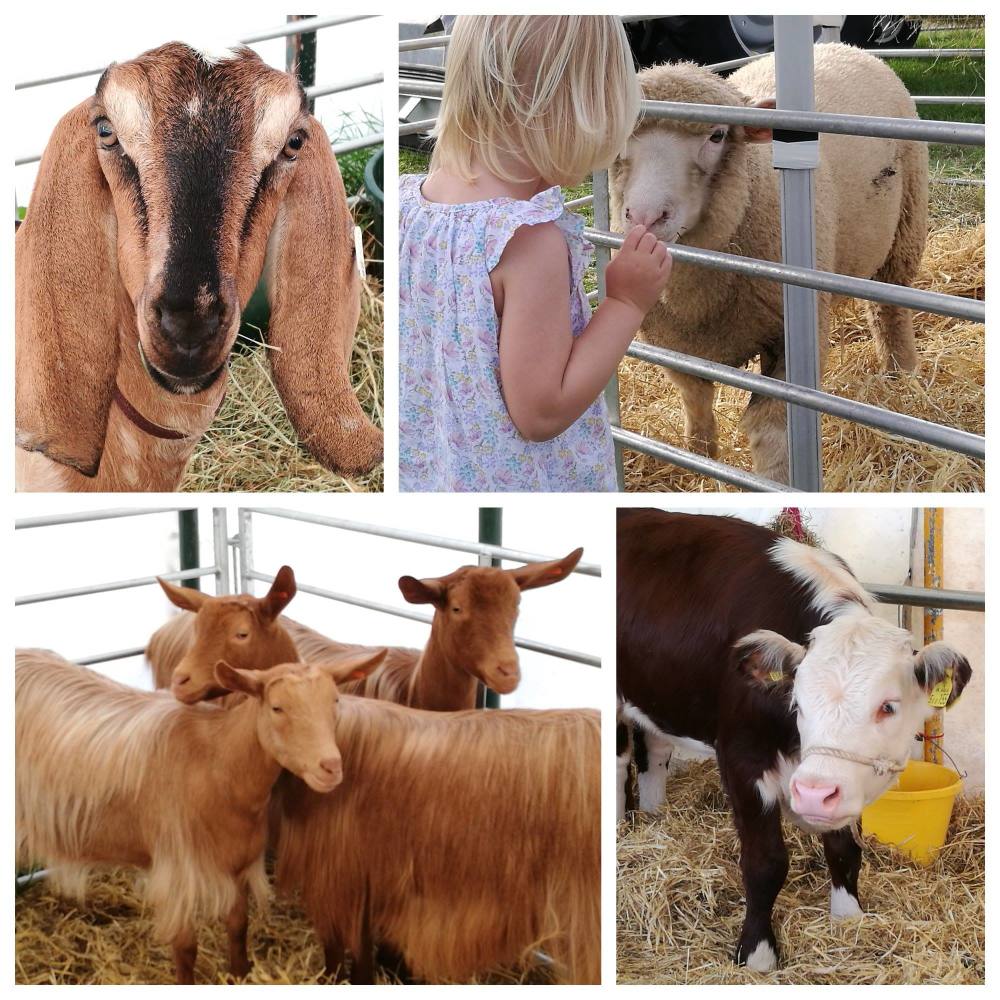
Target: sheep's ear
x=282 y=591
x=942 y=673
x=314 y=291
x=767 y=657
x=67 y=302
x=247 y=681
x=355 y=666
x=184 y=597
x=759 y=133
x=542 y=574
x=430 y=591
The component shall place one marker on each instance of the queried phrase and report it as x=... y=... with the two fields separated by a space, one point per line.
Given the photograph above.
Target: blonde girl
x=501 y=363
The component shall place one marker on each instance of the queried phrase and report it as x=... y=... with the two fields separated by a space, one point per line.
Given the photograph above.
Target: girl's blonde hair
x=557 y=93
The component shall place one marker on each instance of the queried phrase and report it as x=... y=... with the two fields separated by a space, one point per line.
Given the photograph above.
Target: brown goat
x=160 y=202
x=471 y=640
x=462 y=840
x=106 y=774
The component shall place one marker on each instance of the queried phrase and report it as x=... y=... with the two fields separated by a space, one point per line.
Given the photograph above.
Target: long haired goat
x=461 y=840
x=471 y=639
x=160 y=202
x=106 y=774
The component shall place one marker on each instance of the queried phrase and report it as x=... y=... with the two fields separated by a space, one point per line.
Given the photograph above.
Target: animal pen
x=795 y=154
x=287 y=951
x=251 y=422
x=680 y=894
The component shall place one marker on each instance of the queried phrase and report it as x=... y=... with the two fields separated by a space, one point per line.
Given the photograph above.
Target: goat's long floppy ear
x=281 y=592
x=355 y=666
x=184 y=597
x=542 y=574
x=939 y=668
x=767 y=657
x=315 y=291
x=430 y=591
x=67 y=302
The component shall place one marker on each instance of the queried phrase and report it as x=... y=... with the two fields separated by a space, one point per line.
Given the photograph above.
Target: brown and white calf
x=471 y=639
x=767 y=652
x=108 y=775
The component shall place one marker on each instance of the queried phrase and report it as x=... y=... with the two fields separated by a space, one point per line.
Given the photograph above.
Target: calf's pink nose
x=815 y=800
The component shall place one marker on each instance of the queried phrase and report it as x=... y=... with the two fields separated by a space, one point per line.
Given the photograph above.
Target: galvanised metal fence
x=797 y=271
x=234 y=562
x=303 y=27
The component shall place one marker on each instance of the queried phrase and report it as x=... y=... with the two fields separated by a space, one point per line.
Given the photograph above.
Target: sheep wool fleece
x=455 y=433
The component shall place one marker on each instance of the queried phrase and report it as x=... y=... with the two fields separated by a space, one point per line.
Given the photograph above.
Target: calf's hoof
x=761 y=956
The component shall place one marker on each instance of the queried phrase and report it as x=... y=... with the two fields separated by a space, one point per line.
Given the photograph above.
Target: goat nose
x=186 y=328
x=815 y=800
x=333 y=766
x=181 y=679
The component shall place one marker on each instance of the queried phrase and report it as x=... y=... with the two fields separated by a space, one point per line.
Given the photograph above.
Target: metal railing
x=240 y=549
x=302 y=27
x=801 y=390
x=486 y=554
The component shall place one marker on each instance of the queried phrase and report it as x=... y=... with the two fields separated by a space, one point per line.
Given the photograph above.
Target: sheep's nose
x=649 y=217
x=815 y=800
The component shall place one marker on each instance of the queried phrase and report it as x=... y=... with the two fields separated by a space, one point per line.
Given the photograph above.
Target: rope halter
x=880 y=765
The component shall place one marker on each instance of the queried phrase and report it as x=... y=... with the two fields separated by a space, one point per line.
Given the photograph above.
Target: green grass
x=957 y=77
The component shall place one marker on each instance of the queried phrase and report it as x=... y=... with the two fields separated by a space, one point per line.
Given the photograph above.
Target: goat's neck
x=440 y=684
x=247 y=769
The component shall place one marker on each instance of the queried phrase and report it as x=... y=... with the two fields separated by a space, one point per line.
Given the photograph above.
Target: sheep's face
x=665 y=178
x=197 y=153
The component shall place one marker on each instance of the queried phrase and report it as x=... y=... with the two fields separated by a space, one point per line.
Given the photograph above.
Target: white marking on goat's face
x=130 y=115
x=666 y=176
x=278 y=115
x=193 y=107
x=854 y=690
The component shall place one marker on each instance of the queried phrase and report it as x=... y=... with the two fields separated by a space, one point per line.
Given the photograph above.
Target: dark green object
x=187 y=531
x=490 y=533
x=374 y=178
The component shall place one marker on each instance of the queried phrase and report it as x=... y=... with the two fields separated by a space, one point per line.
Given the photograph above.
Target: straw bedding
x=109 y=940
x=252 y=446
x=680 y=901
x=948 y=389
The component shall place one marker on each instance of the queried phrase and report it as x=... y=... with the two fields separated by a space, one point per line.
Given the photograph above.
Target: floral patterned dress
x=455 y=433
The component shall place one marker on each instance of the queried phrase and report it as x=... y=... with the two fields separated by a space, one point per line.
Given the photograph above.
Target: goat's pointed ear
x=282 y=591
x=247 y=681
x=314 y=290
x=542 y=574
x=942 y=673
x=759 y=133
x=767 y=657
x=355 y=666
x=430 y=591
x=67 y=302
x=184 y=597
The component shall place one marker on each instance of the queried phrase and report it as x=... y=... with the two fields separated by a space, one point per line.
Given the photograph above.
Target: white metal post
x=602 y=221
x=244 y=542
x=796 y=155
x=221 y=546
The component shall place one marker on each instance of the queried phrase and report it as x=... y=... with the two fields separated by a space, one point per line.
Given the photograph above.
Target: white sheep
x=714 y=187
x=107 y=774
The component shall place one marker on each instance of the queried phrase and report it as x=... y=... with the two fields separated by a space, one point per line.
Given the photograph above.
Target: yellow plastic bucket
x=914 y=816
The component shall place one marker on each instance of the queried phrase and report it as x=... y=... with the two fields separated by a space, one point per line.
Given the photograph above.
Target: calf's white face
x=665 y=178
x=858 y=687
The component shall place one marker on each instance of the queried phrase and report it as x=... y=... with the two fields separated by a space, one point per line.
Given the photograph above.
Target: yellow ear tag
x=941 y=691
x=776 y=676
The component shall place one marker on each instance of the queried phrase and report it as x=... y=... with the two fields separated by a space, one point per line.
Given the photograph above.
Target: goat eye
x=275 y=708
x=457 y=611
x=718 y=135
x=294 y=144
x=242 y=635
x=106 y=133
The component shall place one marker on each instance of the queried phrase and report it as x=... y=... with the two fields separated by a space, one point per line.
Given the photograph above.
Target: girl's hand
x=639 y=270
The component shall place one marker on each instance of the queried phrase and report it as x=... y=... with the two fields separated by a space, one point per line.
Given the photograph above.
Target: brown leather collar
x=147 y=426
